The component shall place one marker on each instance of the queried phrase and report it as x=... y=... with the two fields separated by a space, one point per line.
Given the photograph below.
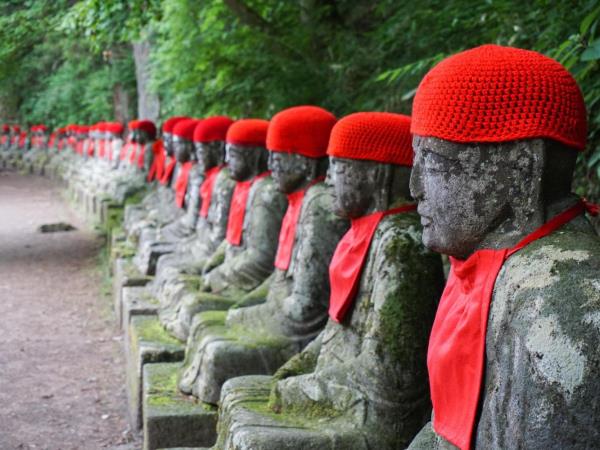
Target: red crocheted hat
x=498 y=94
x=185 y=129
x=114 y=127
x=212 y=129
x=250 y=132
x=16 y=128
x=145 y=125
x=5 y=128
x=373 y=136
x=301 y=129
x=170 y=123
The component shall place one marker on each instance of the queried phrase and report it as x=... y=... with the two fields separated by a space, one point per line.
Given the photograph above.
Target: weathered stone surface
x=147 y=343
x=124 y=275
x=362 y=384
x=247 y=423
x=170 y=418
x=246 y=266
x=260 y=338
x=136 y=302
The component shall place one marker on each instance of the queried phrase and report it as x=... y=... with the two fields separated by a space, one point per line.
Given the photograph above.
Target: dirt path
x=61 y=367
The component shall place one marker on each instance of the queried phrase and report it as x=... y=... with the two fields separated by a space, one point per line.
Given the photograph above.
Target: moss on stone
x=212 y=318
x=148 y=328
x=163 y=391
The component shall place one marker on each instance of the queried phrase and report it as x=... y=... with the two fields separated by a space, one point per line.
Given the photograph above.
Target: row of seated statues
x=281 y=285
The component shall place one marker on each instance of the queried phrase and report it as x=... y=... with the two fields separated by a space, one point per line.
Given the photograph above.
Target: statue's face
x=168 y=143
x=463 y=192
x=134 y=135
x=209 y=154
x=289 y=170
x=182 y=149
x=241 y=161
x=355 y=185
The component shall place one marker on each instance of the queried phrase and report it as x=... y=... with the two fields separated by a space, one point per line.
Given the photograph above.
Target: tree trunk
x=148 y=102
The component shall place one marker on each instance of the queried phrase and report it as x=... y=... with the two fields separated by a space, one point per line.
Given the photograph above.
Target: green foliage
x=61 y=60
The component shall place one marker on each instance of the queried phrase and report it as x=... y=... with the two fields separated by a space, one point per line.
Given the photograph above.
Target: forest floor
x=62 y=381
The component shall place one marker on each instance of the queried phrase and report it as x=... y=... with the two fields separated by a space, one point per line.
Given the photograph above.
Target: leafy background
x=64 y=61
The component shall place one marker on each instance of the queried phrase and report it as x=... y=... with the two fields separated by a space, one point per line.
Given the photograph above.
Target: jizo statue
x=244 y=260
x=513 y=356
x=260 y=338
x=361 y=384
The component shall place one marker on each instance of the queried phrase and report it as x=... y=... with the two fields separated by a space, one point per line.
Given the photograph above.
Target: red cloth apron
x=207 y=187
x=287 y=234
x=237 y=209
x=181 y=183
x=349 y=258
x=124 y=150
x=456 y=354
x=133 y=151
x=141 y=156
x=101 y=147
x=168 y=171
x=157 y=168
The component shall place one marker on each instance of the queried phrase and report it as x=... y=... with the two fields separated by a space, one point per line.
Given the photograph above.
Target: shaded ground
x=61 y=367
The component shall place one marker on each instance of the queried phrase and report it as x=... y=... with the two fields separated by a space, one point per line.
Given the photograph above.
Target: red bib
x=141 y=156
x=287 y=234
x=349 y=258
x=157 y=168
x=168 y=171
x=456 y=354
x=135 y=147
x=237 y=209
x=125 y=150
x=181 y=183
x=207 y=187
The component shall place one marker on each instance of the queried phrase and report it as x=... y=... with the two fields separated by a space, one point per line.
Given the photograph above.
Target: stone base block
x=136 y=301
x=170 y=418
x=246 y=422
x=125 y=275
x=147 y=343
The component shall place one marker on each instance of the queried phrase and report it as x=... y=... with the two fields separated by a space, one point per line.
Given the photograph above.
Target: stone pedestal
x=170 y=418
x=136 y=301
x=246 y=422
x=147 y=342
x=124 y=275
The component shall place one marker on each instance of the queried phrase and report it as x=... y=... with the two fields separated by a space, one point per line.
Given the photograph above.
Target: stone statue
x=261 y=338
x=157 y=208
x=523 y=255
x=361 y=384
x=244 y=260
x=191 y=253
x=164 y=239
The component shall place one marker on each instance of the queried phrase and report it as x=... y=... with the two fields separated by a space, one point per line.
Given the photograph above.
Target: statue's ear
x=526 y=193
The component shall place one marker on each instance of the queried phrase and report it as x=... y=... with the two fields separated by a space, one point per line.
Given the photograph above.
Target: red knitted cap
x=250 y=132
x=373 y=136
x=147 y=126
x=5 y=128
x=498 y=94
x=185 y=129
x=212 y=129
x=114 y=127
x=301 y=129
x=132 y=125
x=170 y=123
